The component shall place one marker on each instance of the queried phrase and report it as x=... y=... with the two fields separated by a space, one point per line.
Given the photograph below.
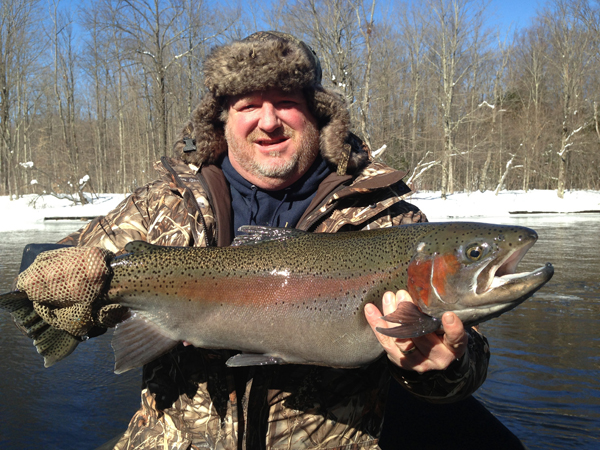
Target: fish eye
x=474 y=252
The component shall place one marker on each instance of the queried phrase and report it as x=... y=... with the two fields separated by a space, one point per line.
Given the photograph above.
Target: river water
x=543 y=382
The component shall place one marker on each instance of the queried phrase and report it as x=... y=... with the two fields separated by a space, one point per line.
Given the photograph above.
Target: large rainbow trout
x=286 y=296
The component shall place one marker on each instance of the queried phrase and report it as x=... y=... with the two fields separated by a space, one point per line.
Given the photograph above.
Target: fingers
x=429 y=352
x=390 y=303
x=398 y=350
x=439 y=351
x=455 y=337
x=373 y=316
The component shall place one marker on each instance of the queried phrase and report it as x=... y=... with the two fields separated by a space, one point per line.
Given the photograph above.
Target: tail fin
x=51 y=343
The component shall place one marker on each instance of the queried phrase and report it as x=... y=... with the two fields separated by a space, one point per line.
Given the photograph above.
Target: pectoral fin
x=413 y=323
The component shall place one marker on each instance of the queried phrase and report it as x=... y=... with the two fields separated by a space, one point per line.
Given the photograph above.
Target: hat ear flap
x=333 y=116
x=207 y=129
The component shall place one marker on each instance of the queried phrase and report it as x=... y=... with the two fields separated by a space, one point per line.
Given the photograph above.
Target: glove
x=65 y=286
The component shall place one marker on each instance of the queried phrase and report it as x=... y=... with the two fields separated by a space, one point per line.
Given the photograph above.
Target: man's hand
x=434 y=351
x=63 y=285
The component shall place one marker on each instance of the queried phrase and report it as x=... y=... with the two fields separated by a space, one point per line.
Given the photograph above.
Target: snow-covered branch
x=421 y=168
x=377 y=153
x=508 y=164
x=484 y=103
x=568 y=144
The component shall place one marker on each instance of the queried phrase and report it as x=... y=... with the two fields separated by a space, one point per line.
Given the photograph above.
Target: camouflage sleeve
x=163 y=212
x=129 y=221
x=458 y=381
x=158 y=213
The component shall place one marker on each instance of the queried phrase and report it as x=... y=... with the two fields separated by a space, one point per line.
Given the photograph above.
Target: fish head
x=471 y=269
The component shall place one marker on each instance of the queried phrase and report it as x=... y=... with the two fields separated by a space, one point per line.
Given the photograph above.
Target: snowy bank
x=487 y=205
x=31 y=211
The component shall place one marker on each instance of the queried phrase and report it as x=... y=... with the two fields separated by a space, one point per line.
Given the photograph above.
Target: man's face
x=272 y=137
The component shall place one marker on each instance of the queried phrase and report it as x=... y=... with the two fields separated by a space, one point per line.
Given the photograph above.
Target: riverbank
x=506 y=203
x=32 y=211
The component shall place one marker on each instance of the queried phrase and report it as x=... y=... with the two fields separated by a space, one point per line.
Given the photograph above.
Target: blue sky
x=512 y=13
x=507 y=15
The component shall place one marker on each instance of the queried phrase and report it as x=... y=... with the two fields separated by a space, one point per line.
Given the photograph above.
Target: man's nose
x=269 y=118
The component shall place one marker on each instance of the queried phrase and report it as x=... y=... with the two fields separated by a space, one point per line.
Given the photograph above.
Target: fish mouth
x=499 y=283
x=506 y=292
x=503 y=269
x=542 y=274
x=498 y=287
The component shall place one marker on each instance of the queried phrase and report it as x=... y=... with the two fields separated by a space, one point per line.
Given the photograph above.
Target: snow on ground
x=30 y=211
x=486 y=204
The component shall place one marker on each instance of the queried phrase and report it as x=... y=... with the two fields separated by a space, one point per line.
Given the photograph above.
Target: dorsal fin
x=253 y=234
x=141 y=247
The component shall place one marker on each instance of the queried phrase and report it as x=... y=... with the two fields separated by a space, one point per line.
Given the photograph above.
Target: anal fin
x=137 y=341
x=253 y=359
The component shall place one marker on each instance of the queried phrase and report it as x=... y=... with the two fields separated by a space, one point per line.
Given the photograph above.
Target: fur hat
x=263 y=60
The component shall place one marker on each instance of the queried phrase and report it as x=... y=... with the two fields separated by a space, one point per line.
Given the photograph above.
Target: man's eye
x=287 y=103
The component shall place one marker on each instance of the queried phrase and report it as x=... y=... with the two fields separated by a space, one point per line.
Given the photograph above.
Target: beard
x=276 y=167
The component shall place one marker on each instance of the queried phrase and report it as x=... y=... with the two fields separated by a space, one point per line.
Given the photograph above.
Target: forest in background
x=93 y=92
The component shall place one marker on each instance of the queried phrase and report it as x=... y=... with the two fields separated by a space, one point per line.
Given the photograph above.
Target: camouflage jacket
x=191 y=400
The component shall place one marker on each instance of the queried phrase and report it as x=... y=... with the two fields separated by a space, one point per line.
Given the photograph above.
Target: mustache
x=282 y=132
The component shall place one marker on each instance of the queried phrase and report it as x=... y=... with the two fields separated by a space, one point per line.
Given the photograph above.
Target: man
x=268 y=145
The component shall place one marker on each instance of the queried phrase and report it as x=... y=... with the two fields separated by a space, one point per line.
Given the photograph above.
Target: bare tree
x=496 y=109
x=65 y=66
x=413 y=37
x=454 y=41
x=95 y=62
x=530 y=83
x=202 y=26
x=18 y=53
x=330 y=28
x=148 y=32
x=365 y=22
x=570 y=60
